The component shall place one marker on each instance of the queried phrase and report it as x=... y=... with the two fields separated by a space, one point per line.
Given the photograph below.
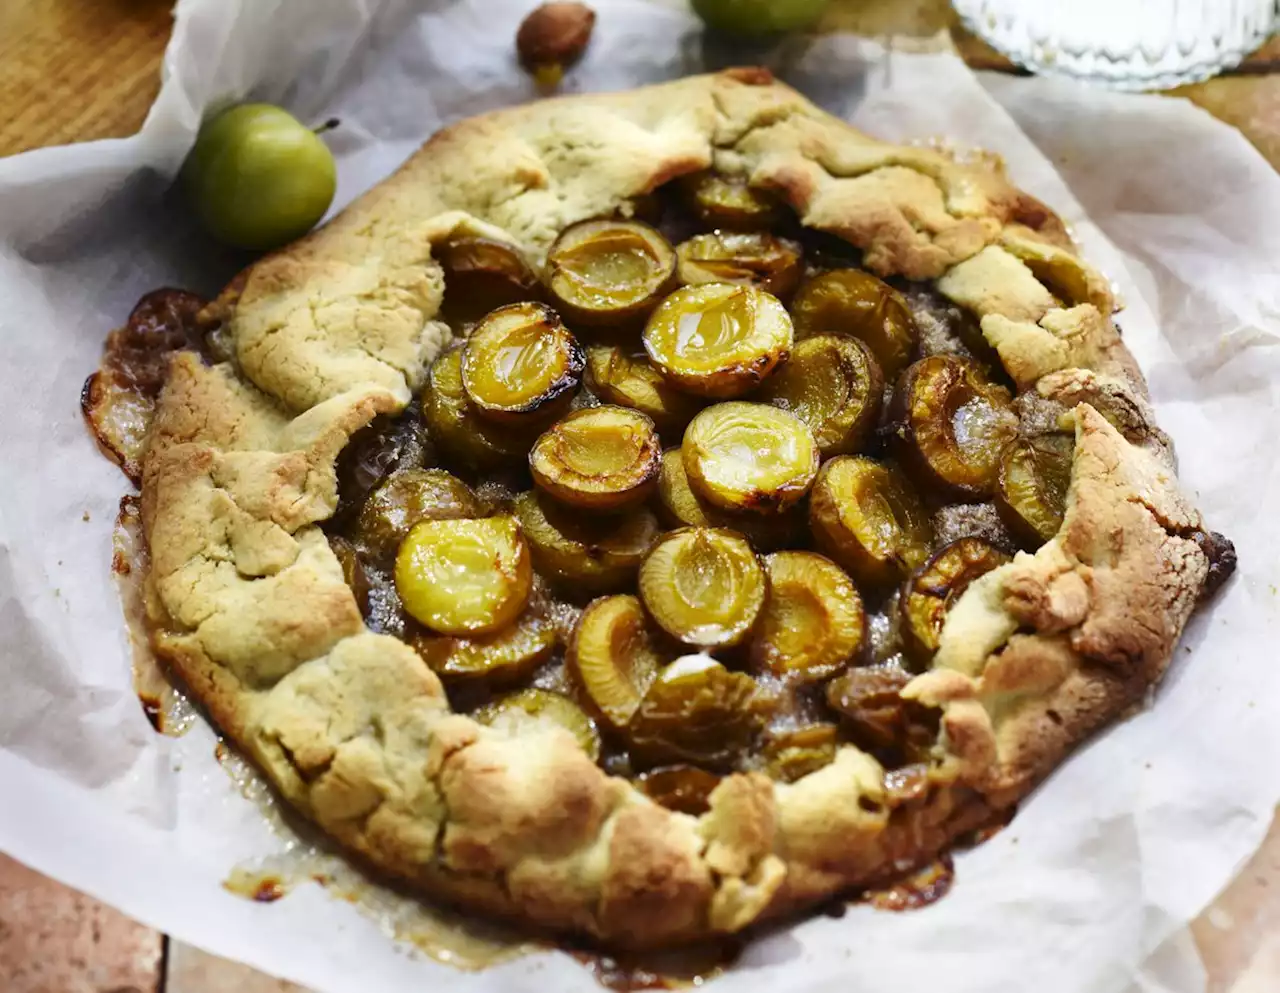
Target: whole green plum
x=258 y=177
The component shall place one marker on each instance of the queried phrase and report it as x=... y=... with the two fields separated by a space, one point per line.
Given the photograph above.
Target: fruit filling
x=724 y=534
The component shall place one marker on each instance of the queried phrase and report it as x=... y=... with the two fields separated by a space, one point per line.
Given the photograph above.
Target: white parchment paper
x=1086 y=891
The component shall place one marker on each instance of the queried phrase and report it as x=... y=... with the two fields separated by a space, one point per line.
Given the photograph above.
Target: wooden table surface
x=76 y=70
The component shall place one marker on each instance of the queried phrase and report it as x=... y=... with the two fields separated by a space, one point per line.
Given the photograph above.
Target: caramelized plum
x=502 y=658
x=683 y=788
x=728 y=202
x=792 y=755
x=598 y=458
x=458 y=430
x=749 y=457
x=582 y=552
x=609 y=271
x=704 y=586
x=853 y=302
x=934 y=588
x=681 y=507
x=832 y=383
x=464 y=577
x=481 y=274
x=625 y=376
x=520 y=361
x=614 y=657
x=406 y=497
x=813 y=621
x=718 y=339
x=696 y=711
x=1031 y=488
x=875 y=715
x=952 y=424
x=741 y=258
x=375 y=452
x=866 y=516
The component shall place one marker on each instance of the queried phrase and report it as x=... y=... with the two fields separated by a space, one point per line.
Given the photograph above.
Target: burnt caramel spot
x=680 y=968
x=152 y=707
x=1221 y=553
x=925 y=886
x=269 y=890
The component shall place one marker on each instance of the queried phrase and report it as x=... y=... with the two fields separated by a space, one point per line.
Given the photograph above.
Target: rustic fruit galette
x=651 y=514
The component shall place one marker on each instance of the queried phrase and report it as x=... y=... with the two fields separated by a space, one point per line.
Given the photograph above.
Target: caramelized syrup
x=166 y=708
x=923 y=887
x=261 y=887
x=681 y=968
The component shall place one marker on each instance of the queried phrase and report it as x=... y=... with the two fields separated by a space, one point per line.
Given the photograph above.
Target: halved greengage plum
x=683 y=788
x=875 y=715
x=502 y=658
x=728 y=202
x=953 y=424
x=353 y=571
x=833 y=383
x=1032 y=484
x=853 y=302
x=406 y=497
x=703 y=586
x=520 y=363
x=744 y=258
x=718 y=339
x=481 y=274
x=790 y=755
x=454 y=425
x=582 y=552
x=624 y=376
x=681 y=507
x=813 y=622
x=598 y=458
x=933 y=588
x=526 y=710
x=696 y=711
x=464 y=577
x=376 y=451
x=867 y=517
x=614 y=657
x=609 y=271
x=749 y=456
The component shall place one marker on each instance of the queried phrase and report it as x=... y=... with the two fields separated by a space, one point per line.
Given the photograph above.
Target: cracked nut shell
x=555 y=34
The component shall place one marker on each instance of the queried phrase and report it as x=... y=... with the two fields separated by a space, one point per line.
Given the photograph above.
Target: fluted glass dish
x=1125 y=44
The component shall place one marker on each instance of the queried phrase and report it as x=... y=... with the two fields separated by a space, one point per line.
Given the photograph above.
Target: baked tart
x=650 y=581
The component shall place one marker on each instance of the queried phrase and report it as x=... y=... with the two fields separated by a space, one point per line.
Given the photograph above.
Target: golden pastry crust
x=249 y=604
